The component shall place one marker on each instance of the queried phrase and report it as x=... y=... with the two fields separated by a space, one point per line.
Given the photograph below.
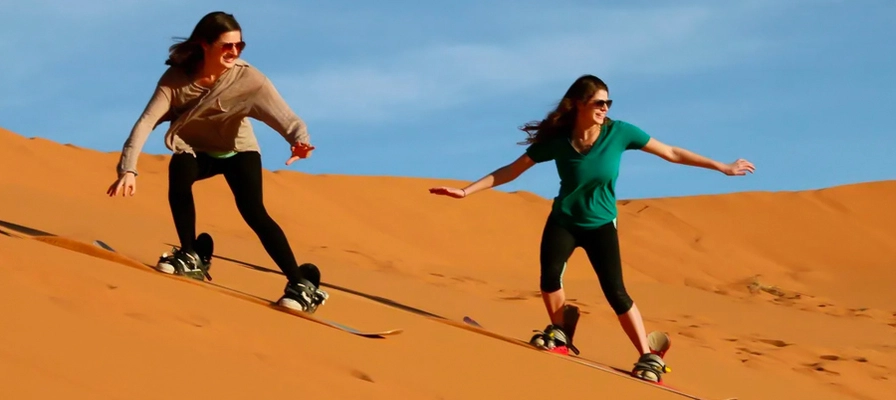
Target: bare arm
x=682 y=156
x=501 y=175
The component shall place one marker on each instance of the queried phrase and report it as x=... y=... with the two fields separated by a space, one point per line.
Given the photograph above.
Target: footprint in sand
x=514 y=298
x=775 y=342
x=517 y=295
x=749 y=351
x=834 y=357
x=361 y=375
x=826 y=366
x=820 y=367
x=139 y=316
x=461 y=279
x=861 y=312
x=379 y=264
x=747 y=347
x=691 y=327
x=195 y=320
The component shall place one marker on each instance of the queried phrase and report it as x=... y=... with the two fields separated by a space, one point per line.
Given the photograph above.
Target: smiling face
x=223 y=52
x=594 y=111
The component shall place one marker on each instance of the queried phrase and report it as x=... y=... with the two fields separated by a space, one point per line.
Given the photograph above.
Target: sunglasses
x=601 y=103
x=230 y=46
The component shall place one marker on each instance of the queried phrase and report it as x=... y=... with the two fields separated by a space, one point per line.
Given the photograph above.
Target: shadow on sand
x=378 y=299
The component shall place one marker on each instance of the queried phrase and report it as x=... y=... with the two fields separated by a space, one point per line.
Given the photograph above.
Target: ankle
x=557 y=317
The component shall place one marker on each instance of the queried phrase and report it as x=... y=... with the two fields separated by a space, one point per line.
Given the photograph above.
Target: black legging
x=243 y=174
x=602 y=247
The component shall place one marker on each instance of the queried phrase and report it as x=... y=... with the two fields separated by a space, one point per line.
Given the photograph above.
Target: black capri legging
x=243 y=174
x=602 y=247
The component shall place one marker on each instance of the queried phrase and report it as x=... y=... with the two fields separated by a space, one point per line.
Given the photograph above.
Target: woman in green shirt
x=586 y=147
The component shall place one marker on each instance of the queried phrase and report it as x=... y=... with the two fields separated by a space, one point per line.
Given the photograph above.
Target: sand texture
x=784 y=295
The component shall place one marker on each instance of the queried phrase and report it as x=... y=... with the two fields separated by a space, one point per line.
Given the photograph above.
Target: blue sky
x=803 y=88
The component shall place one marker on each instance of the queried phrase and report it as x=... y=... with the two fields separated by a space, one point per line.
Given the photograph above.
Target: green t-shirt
x=587 y=197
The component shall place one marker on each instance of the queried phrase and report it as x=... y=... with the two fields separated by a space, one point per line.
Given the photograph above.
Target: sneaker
x=303 y=296
x=188 y=264
x=553 y=339
x=650 y=367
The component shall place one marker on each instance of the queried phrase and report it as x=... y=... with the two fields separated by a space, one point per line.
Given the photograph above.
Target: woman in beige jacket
x=207 y=94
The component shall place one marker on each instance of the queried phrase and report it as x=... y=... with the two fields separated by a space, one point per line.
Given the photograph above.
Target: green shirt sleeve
x=635 y=137
x=540 y=151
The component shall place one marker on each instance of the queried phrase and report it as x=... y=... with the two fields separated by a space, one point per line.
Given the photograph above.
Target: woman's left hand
x=739 y=167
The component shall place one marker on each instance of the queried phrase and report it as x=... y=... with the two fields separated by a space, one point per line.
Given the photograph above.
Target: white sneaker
x=181 y=263
x=303 y=296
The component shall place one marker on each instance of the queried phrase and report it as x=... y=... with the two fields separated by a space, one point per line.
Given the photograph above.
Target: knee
x=256 y=217
x=620 y=301
x=178 y=186
x=552 y=275
x=254 y=213
x=181 y=174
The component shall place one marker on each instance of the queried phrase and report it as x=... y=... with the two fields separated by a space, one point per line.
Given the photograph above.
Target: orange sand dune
x=766 y=295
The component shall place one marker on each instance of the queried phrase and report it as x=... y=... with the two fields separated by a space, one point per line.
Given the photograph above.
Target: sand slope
x=766 y=295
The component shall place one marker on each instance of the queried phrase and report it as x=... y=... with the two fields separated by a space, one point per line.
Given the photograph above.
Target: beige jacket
x=213 y=119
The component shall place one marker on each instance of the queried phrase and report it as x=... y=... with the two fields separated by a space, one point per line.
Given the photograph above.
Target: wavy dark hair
x=187 y=53
x=563 y=118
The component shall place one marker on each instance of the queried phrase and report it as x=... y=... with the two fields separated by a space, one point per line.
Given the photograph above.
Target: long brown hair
x=562 y=119
x=188 y=54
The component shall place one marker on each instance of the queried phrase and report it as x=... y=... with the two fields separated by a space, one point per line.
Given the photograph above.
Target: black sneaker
x=188 y=264
x=304 y=295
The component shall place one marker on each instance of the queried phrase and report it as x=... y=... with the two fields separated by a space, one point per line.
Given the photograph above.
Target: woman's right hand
x=126 y=185
x=300 y=150
x=449 y=191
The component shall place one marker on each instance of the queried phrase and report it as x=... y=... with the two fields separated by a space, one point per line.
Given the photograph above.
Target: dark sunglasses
x=601 y=103
x=229 y=46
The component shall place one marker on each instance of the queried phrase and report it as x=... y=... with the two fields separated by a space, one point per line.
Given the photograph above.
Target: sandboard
x=659 y=339
x=102 y=250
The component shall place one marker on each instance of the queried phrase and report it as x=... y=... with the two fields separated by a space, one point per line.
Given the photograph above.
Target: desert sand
x=766 y=295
